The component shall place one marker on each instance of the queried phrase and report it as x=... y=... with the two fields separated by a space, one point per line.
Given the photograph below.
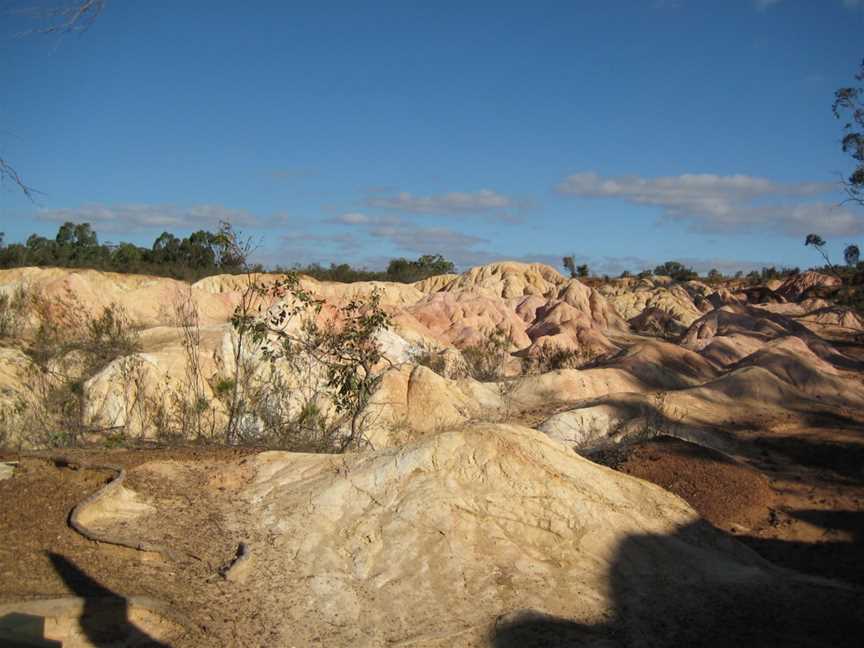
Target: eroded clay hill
x=685 y=351
x=470 y=515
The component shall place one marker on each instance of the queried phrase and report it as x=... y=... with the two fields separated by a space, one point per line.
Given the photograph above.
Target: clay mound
x=662 y=365
x=147 y=300
x=413 y=401
x=432 y=542
x=571 y=385
x=751 y=383
x=436 y=283
x=836 y=316
x=392 y=294
x=466 y=318
x=807 y=282
x=228 y=283
x=509 y=279
x=745 y=321
x=726 y=350
x=593 y=304
x=791 y=360
x=749 y=395
x=453 y=539
x=564 y=326
x=631 y=297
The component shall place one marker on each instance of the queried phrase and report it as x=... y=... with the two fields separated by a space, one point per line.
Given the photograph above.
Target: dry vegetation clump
x=303 y=390
x=13 y=311
x=431 y=358
x=67 y=348
x=551 y=357
x=487 y=359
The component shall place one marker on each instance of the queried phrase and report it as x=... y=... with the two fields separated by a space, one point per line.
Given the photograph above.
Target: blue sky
x=625 y=132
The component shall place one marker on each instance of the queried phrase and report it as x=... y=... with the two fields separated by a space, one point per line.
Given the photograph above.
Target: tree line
x=201 y=254
x=679 y=272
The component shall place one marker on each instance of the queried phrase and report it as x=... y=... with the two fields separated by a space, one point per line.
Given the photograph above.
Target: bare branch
x=9 y=174
x=65 y=19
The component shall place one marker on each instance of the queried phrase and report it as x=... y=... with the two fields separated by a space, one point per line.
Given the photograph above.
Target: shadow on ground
x=677 y=590
x=104 y=620
x=836 y=559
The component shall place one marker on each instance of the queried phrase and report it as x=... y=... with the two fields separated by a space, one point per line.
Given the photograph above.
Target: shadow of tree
x=698 y=587
x=105 y=617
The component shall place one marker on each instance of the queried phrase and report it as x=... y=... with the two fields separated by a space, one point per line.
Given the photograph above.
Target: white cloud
x=358 y=218
x=763 y=5
x=483 y=201
x=137 y=217
x=301 y=247
x=426 y=240
x=353 y=218
x=725 y=204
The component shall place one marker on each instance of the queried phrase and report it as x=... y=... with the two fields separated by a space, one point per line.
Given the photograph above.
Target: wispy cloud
x=408 y=237
x=764 y=5
x=484 y=201
x=301 y=247
x=724 y=204
x=139 y=217
x=426 y=240
x=144 y=216
x=359 y=218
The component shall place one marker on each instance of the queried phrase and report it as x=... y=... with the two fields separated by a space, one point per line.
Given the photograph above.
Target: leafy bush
x=676 y=270
x=346 y=350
